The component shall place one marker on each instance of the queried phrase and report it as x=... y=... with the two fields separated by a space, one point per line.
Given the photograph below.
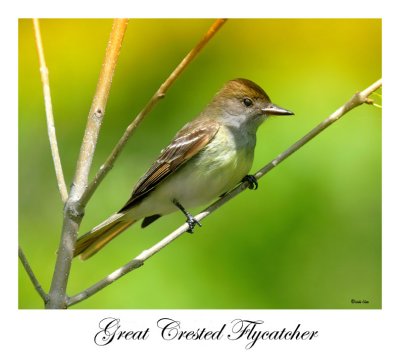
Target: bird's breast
x=219 y=167
x=216 y=169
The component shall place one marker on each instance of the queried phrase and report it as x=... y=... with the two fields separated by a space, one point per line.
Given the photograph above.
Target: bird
x=208 y=157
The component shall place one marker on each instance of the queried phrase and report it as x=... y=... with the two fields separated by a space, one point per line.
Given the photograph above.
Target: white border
x=345 y=335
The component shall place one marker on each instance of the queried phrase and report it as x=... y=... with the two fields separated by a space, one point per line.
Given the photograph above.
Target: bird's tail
x=97 y=238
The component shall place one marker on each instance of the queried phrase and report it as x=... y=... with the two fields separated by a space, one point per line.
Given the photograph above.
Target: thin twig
x=31 y=275
x=51 y=130
x=73 y=212
x=357 y=100
x=160 y=93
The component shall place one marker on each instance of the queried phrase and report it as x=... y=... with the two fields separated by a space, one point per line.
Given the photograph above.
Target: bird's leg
x=252 y=180
x=191 y=221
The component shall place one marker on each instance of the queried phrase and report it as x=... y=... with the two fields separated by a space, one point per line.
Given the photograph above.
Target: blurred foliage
x=309 y=237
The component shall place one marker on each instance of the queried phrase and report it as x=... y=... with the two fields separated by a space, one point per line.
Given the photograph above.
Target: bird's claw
x=192 y=222
x=252 y=181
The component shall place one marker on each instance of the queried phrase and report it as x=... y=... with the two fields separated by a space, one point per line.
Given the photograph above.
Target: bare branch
x=98 y=107
x=133 y=264
x=160 y=93
x=31 y=275
x=51 y=130
x=357 y=100
x=73 y=211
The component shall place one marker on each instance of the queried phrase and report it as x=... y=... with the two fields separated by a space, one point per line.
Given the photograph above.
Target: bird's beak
x=272 y=109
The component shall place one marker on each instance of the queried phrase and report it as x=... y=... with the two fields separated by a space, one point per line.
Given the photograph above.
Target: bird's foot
x=252 y=180
x=192 y=222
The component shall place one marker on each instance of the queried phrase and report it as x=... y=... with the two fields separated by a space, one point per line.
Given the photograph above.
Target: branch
x=73 y=212
x=160 y=93
x=97 y=110
x=31 y=275
x=51 y=130
x=357 y=100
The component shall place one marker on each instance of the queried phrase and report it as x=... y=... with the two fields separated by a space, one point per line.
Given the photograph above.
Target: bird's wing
x=190 y=140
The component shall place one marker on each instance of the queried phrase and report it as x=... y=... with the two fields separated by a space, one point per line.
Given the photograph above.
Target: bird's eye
x=247 y=102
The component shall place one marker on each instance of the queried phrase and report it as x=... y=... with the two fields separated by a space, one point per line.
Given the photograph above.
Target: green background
x=309 y=237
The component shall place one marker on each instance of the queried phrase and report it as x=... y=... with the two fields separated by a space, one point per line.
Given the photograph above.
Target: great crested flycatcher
x=208 y=157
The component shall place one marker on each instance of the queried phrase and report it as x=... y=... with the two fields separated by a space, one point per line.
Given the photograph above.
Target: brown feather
x=189 y=141
x=91 y=243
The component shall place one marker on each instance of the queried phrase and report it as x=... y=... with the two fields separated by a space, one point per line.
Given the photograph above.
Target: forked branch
x=73 y=211
x=81 y=191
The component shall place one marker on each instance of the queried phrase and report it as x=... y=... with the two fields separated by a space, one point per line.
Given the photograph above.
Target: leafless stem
x=97 y=110
x=51 y=130
x=31 y=275
x=357 y=100
x=73 y=211
x=160 y=93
